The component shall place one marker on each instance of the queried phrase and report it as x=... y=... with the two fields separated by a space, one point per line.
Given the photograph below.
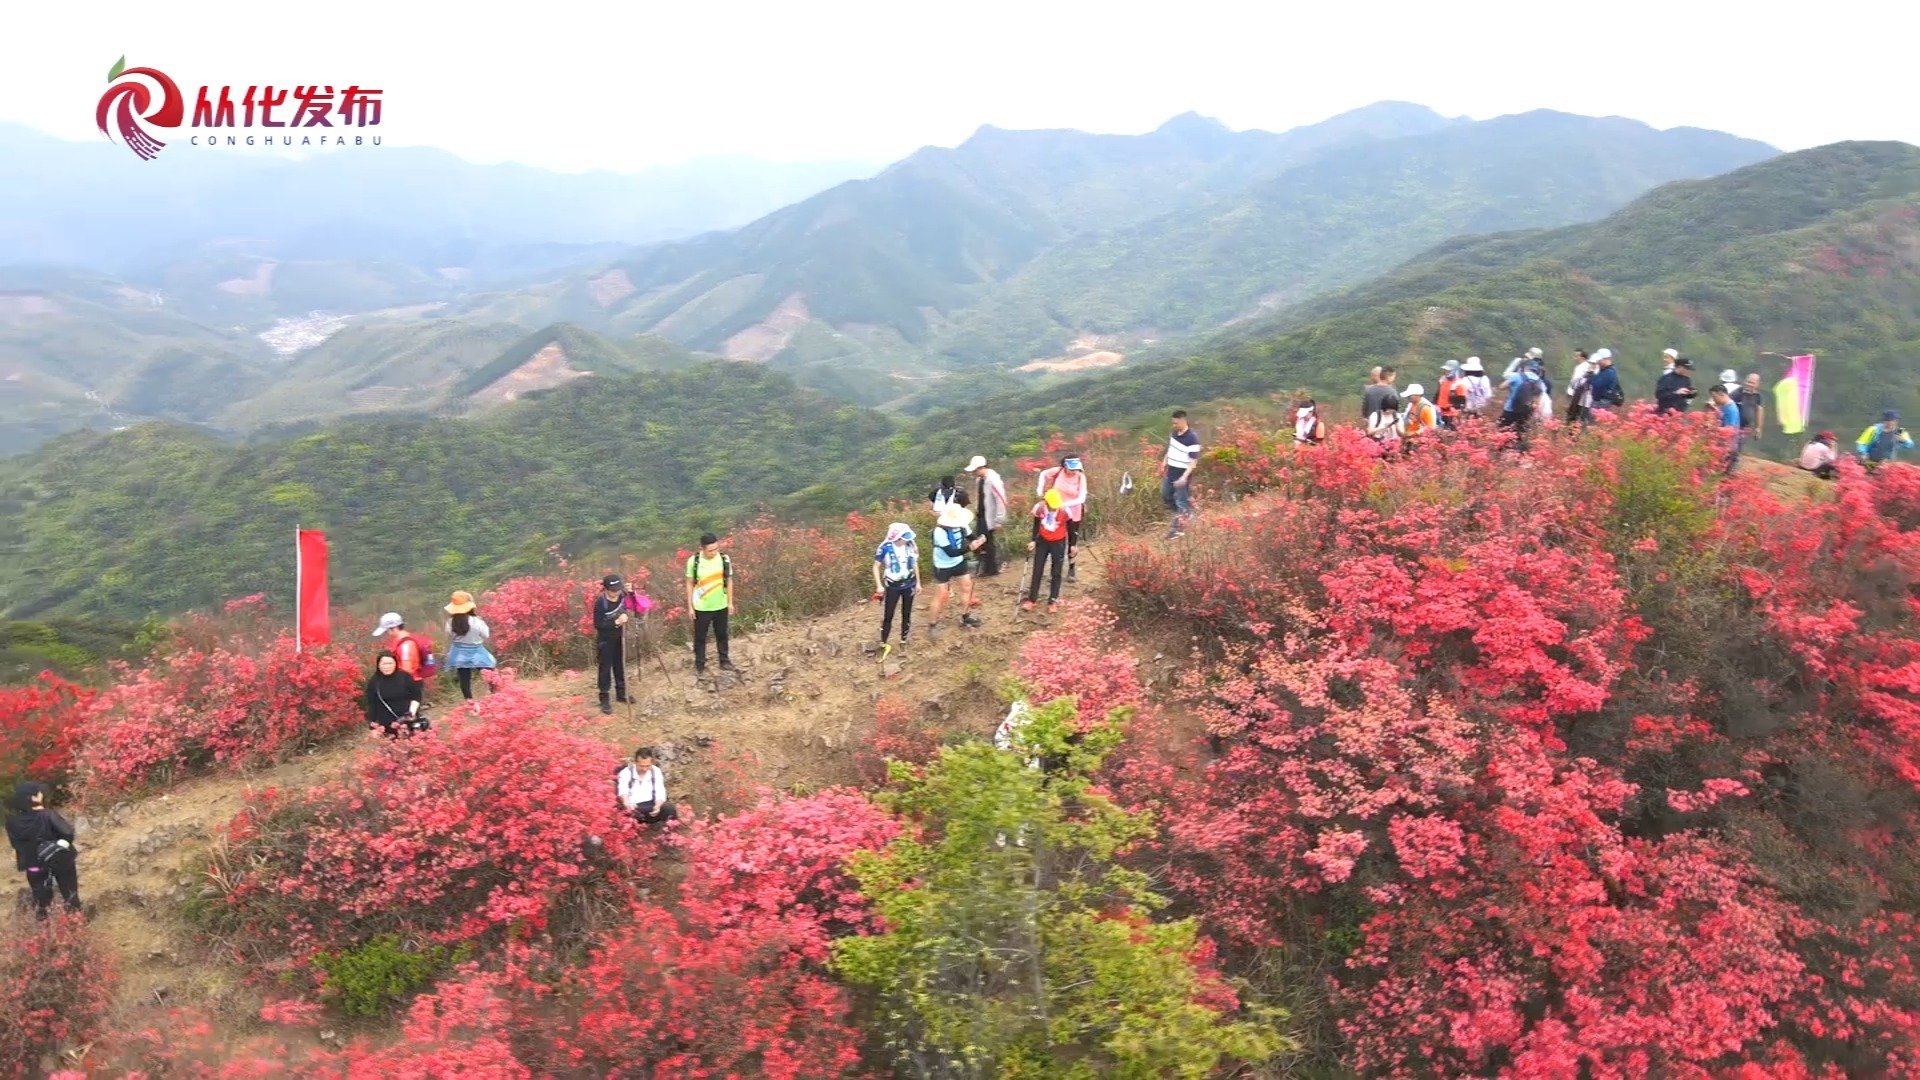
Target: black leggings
x=900 y=596
x=1045 y=552
x=613 y=665
x=64 y=872
x=466 y=682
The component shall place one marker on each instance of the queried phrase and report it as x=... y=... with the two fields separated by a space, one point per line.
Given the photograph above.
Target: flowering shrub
x=536 y=622
x=452 y=837
x=40 y=723
x=55 y=987
x=900 y=733
x=194 y=709
x=1081 y=658
x=780 y=863
x=1571 y=761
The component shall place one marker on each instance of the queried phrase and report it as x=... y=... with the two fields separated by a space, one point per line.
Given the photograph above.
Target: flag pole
x=297 y=590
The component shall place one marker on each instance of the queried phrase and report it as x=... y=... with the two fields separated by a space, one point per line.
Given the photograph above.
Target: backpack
x=1526 y=397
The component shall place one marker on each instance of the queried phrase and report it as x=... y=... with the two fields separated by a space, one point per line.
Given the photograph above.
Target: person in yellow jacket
x=711 y=598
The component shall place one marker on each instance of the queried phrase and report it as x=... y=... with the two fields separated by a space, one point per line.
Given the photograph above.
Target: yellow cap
x=1053 y=499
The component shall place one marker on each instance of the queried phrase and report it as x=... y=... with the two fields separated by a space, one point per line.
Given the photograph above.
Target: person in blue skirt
x=467 y=635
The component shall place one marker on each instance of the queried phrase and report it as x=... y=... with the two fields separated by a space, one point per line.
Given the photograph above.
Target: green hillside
x=162 y=517
x=1817 y=250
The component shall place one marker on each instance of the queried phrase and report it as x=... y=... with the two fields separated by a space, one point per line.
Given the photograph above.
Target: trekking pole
x=661 y=660
x=626 y=638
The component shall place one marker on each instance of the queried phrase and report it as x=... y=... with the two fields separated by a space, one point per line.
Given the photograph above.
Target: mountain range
x=1816 y=250
x=1014 y=258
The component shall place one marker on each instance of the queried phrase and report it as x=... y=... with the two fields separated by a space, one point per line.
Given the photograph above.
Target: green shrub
x=375 y=978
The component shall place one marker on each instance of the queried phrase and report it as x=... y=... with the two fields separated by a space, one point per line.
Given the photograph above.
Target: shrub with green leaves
x=1016 y=945
x=375 y=978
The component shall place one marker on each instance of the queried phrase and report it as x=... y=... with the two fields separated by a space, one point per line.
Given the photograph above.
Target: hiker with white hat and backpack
x=954 y=536
x=990 y=508
x=1479 y=388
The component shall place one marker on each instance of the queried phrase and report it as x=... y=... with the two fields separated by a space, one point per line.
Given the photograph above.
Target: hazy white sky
x=575 y=85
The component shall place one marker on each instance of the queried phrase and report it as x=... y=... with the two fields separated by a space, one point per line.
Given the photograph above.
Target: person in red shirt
x=1069 y=478
x=412 y=652
x=1049 y=547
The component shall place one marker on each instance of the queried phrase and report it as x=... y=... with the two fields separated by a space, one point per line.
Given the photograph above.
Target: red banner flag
x=310 y=589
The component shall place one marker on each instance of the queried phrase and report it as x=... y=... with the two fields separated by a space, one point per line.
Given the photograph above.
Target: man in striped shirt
x=1176 y=473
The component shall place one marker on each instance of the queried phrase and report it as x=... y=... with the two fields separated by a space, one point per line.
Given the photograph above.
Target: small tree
x=1015 y=944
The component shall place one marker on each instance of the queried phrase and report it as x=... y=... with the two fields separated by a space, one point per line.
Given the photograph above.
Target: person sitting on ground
x=393 y=698
x=1049 y=549
x=467 y=635
x=1308 y=428
x=43 y=849
x=1818 y=457
x=896 y=579
x=643 y=790
x=1883 y=441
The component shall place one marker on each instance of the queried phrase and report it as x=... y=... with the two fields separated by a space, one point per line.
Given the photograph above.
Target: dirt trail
x=794 y=716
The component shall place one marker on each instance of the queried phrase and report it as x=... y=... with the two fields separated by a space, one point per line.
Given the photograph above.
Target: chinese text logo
x=130 y=103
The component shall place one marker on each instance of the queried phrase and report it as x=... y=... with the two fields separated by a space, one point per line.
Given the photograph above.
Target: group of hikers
x=1523 y=397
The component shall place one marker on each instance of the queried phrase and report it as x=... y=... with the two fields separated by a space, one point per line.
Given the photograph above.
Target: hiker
x=610 y=617
x=1729 y=418
x=1383 y=428
x=1675 y=391
x=1580 y=387
x=413 y=652
x=896 y=579
x=940 y=496
x=1883 y=441
x=1672 y=358
x=1818 y=456
x=1381 y=395
x=1177 y=468
x=1753 y=409
x=1308 y=428
x=467 y=635
x=990 y=497
x=43 y=849
x=1479 y=387
x=1525 y=388
x=1069 y=478
x=642 y=788
x=1603 y=386
x=1450 y=397
x=1731 y=380
x=1419 y=419
x=393 y=699
x=1049 y=548
x=953 y=536
x=711 y=598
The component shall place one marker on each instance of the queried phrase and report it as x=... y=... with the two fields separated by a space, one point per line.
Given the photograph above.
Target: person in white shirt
x=1176 y=473
x=643 y=790
x=1479 y=387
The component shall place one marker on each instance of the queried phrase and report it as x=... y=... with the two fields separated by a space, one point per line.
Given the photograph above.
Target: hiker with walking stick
x=610 y=618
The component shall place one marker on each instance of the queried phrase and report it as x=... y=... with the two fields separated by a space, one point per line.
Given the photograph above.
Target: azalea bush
x=56 y=984
x=40 y=725
x=459 y=835
x=193 y=710
x=1574 y=761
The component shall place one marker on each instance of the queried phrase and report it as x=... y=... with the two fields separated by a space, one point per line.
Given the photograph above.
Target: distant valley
x=292 y=294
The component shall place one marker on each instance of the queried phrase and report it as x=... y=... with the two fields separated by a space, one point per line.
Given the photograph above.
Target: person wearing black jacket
x=393 y=697
x=1604 y=383
x=609 y=626
x=1674 y=392
x=43 y=848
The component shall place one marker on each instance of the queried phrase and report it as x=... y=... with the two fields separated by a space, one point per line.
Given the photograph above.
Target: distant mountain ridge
x=1015 y=245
